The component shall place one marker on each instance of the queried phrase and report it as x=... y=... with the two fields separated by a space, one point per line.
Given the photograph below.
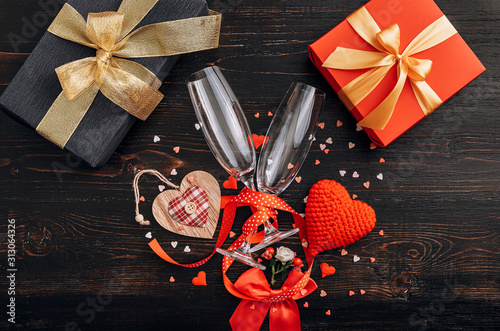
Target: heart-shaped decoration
x=333 y=219
x=199 y=182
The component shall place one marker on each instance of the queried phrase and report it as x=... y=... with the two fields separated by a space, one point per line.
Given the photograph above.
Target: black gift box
x=35 y=87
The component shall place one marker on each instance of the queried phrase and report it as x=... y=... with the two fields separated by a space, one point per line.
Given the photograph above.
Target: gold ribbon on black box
x=127 y=84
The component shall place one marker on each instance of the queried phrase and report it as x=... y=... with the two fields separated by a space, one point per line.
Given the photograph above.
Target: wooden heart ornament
x=193 y=210
x=333 y=219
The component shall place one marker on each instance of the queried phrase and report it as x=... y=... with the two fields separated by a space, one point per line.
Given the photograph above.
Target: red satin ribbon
x=283 y=315
x=252 y=285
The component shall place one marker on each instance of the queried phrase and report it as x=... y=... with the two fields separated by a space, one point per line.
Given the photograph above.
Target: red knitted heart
x=333 y=219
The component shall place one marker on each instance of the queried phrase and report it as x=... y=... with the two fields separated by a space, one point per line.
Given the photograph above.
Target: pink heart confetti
x=298 y=179
x=270 y=114
x=329 y=141
x=305 y=244
x=372 y=259
x=351 y=293
x=172 y=279
x=351 y=145
x=231 y=234
x=343 y=252
x=366 y=185
x=289 y=166
x=373 y=146
x=381 y=160
x=173 y=172
x=161 y=188
x=252 y=307
x=142 y=199
x=257 y=115
x=174 y=244
x=322 y=146
x=303 y=291
x=305 y=199
x=359 y=128
x=274 y=310
x=355 y=174
x=339 y=123
x=354 y=196
x=305 y=305
x=190 y=179
x=321 y=125
x=176 y=149
x=381 y=232
x=328 y=312
x=317 y=162
x=322 y=293
x=326 y=150
x=362 y=292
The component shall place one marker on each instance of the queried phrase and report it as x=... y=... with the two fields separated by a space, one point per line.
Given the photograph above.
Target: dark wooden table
x=82 y=259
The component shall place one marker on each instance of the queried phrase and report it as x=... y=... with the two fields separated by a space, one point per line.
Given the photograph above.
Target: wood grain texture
x=161 y=206
x=437 y=266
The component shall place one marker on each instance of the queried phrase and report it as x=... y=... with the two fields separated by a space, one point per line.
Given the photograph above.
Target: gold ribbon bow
x=126 y=83
x=387 y=43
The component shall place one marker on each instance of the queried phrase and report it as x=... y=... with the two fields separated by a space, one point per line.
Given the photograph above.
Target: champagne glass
x=228 y=135
x=288 y=141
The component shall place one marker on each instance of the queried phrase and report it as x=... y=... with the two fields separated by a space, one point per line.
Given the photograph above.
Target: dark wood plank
x=437 y=265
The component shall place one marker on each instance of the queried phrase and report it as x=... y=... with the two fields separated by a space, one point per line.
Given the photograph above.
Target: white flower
x=284 y=254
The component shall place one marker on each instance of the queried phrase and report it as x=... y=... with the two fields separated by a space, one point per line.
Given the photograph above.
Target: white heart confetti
x=303 y=292
x=156 y=139
x=148 y=235
x=355 y=174
x=329 y=141
x=351 y=145
x=322 y=146
x=197 y=126
x=355 y=258
x=310 y=137
x=342 y=172
x=359 y=128
x=305 y=244
x=269 y=161
x=173 y=172
x=187 y=249
x=174 y=244
x=305 y=200
x=161 y=188
x=380 y=176
x=302 y=215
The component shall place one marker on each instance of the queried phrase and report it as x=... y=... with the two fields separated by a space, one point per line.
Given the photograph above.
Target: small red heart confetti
x=381 y=232
x=303 y=291
x=181 y=228
x=362 y=292
x=322 y=293
x=354 y=196
x=339 y=123
x=298 y=179
x=305 y=305
x=351 y=293
x=322 y=146
x=381 y=160
x=321 y=125
x=343 y=252
x=191 y=179
x=373 y=146
x=317 y=162
x=366 y=184
x=201 y=279
x=231 y=183
x=328 y=312
x=270 y=114
x=176 y=149
x=231 y=234
x=257 y=115
x=252 y=307
x=289 y=166
x=142 y=199
x=275 y=310
x=258 y=140
x=326 y=270
x=259 y=260
x=172 y=279
x=351 y=145
x=372 y=259
x=326 y=150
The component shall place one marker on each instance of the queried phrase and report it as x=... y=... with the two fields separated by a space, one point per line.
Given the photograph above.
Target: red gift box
x=453 y=64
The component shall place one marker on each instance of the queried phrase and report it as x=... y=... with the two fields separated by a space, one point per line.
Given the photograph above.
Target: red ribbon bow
x=284 y=315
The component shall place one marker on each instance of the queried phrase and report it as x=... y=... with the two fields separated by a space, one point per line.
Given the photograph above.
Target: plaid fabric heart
x=191 y=208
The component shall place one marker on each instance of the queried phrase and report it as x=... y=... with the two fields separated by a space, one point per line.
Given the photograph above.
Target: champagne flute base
x=273 y=238
x=241 y=257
